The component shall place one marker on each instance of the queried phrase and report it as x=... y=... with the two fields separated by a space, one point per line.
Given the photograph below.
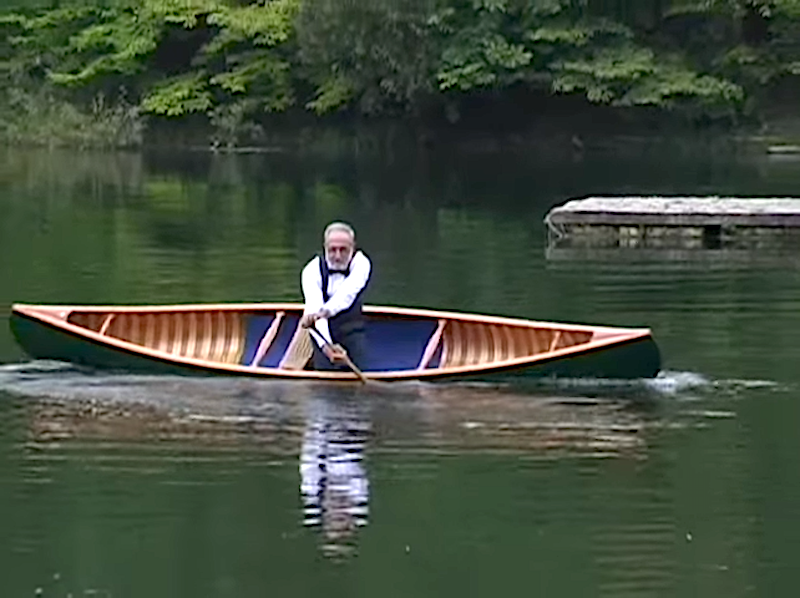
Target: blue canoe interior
x=267 y=340
x=395 y=344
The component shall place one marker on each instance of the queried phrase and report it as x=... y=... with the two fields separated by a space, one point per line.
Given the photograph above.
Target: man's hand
x=335 y=353
x=308 y=320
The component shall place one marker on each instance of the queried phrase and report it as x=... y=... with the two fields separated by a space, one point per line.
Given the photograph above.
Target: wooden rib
x=218 y=331
x=508 y=337
x=191 y=334
x=447 y=346
x=467 y=344
x=126 y=327
x=225 y=337
x=480 y=344
x=445 y=356
x=201 y=348
x=185 y=334
x=463 y=339
x=119 y=327
x=238 y=340
x=266 y=341
x=464 y=344
x=476 y=347
x=177 y=344
x=520 y=344
x=487 y=346
x=232 y=340
x=137 y=332
x=211 y=336
x=543 y=338
x=517 y=342
x=236 y=345
x=454 y=344
x=195 y=329
x=536 y=345
x=525 y=346
x=177 y=334
x=130 y=327
x=299 y=350
x=106 y=323
x=554 y=342
x=168 y=338
x=148 y=332
x=497 y=342
x=532 y=343
x=161 y=331
x=205 y=335
x=433 y=343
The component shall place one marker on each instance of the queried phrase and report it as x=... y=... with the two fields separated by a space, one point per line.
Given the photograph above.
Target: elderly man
x=333 y=288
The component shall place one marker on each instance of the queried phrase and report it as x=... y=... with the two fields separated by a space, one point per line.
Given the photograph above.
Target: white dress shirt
x=342 y=290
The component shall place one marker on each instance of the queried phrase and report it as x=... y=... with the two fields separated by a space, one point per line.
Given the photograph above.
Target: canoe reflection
x=153 y=423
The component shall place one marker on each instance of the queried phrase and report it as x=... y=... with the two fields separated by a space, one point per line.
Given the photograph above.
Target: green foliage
x=578 y=33
x=178 y=96
x=263 y=24
x=378 y=54
x=88 y=48
x=630 y=76
x=334 y=91
x=475 y=50
x=235 y=60
x=486 y=60
x=120 y=45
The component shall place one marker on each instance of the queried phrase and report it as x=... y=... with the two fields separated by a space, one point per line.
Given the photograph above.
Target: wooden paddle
x=339 y=349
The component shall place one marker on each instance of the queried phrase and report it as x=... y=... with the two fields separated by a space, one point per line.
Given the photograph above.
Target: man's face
x=339 y=249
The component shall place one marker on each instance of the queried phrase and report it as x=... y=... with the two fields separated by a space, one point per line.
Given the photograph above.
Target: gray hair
x=339 y=227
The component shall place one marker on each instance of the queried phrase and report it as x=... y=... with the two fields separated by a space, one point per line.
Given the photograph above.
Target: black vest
x=349 y=320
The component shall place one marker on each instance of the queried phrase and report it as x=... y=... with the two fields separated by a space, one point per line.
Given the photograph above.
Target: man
x=333 y=288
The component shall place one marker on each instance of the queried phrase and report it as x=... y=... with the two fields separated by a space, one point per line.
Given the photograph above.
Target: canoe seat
x=299 y=350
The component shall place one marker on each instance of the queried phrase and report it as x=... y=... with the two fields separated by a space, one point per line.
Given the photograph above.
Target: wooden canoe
x=265 y=340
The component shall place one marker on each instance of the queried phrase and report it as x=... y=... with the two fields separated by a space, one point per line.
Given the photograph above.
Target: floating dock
x=674 y=221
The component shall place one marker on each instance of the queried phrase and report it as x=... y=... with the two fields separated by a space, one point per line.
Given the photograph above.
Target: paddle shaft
x=314 y=332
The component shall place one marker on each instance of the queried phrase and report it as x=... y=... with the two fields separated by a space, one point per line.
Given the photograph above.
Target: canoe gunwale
x=56 y=317
x=65 y=310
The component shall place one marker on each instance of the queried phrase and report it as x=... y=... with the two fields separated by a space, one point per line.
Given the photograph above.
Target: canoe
x=265 y=340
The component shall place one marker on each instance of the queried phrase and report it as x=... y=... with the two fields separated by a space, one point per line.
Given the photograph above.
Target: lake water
x=127 y=486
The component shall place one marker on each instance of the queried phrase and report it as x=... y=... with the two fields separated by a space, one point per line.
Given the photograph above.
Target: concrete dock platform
x=676 y=221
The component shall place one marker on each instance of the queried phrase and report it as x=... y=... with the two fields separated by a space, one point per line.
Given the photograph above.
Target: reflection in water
x=333 y=480
x=330 y=426
x=212 y=434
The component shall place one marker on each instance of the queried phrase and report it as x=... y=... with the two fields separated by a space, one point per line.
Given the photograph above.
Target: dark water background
x=115 y=485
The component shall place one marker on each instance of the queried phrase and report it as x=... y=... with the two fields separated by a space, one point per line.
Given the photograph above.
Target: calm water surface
x=122 y=485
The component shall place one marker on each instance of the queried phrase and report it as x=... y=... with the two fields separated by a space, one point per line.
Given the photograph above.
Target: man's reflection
x=333 y=481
